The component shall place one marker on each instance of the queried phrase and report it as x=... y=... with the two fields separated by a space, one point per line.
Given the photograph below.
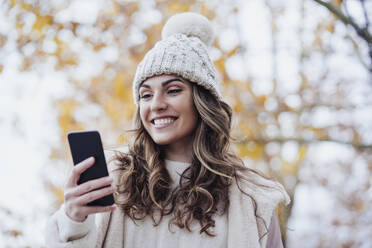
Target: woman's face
x=167 y=110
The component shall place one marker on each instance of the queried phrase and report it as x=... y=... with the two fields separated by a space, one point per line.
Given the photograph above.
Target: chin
x=161 y=141
x=165 y=139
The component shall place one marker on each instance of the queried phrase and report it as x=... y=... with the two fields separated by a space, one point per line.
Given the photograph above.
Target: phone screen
x=85 y=144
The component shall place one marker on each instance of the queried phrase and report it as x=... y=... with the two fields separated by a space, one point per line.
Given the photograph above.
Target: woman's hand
x=77 y=196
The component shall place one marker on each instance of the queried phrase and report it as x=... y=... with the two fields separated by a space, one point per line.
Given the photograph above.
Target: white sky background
x=29 y=126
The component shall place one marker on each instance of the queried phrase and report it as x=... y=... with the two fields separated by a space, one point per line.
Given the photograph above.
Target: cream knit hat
x=183 y=52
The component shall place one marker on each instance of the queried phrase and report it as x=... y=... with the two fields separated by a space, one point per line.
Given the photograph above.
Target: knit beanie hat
x=183 y=52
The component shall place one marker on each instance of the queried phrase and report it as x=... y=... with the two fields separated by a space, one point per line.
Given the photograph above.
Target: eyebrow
x=163 y=83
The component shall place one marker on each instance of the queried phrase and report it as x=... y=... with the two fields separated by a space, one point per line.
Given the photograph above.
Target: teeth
x=163 y=121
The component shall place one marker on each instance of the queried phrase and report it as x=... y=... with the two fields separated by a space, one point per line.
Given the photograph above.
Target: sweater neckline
x=171 y=162
x=175 y=169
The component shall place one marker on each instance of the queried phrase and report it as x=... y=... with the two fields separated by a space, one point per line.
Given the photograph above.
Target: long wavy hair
x=144 y=187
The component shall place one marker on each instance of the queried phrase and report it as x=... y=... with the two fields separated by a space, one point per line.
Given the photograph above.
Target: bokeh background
x=296 y=72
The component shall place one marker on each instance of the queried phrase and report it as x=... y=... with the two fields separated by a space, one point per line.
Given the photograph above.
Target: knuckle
x=90 y=197
x=89 y=187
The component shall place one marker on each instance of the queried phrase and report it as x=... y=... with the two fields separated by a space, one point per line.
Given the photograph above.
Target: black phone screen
x=85 y=144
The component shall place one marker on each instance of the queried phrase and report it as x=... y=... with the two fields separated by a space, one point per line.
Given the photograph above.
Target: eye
x=145 y=96
x=174 y=91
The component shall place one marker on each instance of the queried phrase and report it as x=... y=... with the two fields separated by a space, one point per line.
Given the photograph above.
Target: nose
x=158 y=103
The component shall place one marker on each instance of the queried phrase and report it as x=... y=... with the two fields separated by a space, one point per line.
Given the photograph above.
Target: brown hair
x=144 y=187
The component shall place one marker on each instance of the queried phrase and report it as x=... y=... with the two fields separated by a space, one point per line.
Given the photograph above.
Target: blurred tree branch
x=362 y=32
x=348 y=20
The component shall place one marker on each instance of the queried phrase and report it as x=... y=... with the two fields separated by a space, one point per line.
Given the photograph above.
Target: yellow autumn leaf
x=129 y=8
x=119 y=89
x=246 y=130
x=252 y=150
x=153 y=35
x=114 y=10
x=207 y=12
x=66 y=120
x=247 y=86
x=26 y=6
x=114 y=110
x=97 y=80
x=68 y=106
x=123 y=139
x=320 y=133
x=233 y=51
x=301 y=153
x=19 y=26
x=330 y=28
x=261 y=100
x=289 y=168
x=220 y=65
x=59 y=43
x=176 y=6
x=41 y=22
x=238 y=106
x=70 y=60
x=60 y=46
x=64 y=54
x=99 y=46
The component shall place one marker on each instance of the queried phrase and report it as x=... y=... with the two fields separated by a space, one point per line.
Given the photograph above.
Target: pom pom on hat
x=189 y=24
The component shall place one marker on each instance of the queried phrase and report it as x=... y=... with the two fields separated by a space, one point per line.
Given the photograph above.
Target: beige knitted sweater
x=238 y=228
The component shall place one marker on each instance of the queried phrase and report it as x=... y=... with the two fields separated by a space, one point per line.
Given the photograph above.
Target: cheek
x=142 y=111
x=193 y=116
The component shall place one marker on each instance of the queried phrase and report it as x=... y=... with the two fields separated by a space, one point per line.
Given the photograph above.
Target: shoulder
x=266 y=192
x=253 y=199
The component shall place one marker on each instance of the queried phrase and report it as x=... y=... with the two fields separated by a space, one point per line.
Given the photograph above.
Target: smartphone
x=85 y=144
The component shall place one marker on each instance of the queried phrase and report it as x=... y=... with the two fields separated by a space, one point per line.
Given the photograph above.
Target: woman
x=177 y=185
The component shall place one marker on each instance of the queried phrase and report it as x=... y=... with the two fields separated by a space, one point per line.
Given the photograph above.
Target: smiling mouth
x=163 y=122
